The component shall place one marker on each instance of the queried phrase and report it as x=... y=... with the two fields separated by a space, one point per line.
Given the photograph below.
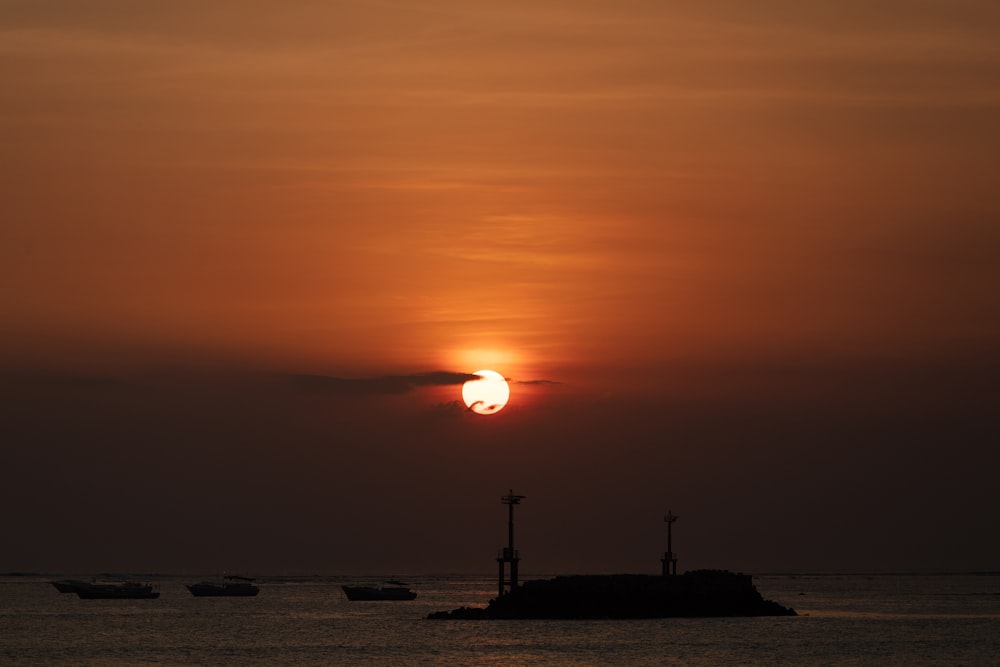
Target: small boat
x=368 y=593
x=125 y=590
x=230 y=586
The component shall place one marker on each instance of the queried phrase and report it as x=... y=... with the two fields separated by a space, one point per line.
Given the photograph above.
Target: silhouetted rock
x=700 y=593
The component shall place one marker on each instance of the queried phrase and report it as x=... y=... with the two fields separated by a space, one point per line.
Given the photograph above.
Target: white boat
x=108 y=590
x=230 y=586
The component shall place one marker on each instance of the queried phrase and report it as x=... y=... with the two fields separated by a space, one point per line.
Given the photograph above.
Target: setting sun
x=727 y=253
x=488 y=395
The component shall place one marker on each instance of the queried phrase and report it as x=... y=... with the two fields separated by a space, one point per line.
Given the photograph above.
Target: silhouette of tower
x=509 y=554
x=669 y=559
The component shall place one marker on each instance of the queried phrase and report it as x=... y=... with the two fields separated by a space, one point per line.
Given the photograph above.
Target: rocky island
x=699 y=593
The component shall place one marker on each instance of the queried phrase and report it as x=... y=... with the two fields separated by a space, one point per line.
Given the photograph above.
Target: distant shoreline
x=482 y=575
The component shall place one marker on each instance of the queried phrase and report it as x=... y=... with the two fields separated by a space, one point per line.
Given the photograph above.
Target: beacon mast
x=669 y=559
x=508 y=554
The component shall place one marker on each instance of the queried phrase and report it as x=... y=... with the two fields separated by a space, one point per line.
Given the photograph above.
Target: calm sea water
x=845 y=620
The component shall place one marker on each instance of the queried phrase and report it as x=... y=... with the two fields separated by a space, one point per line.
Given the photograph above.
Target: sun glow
x=488 y=395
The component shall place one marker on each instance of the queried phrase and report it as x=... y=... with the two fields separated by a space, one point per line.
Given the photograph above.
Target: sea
x=847 y=619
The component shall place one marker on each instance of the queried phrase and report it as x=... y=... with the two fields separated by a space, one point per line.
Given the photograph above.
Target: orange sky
x=661 y=199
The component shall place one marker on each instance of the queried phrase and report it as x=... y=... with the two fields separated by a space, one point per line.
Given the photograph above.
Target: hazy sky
x=738 y=260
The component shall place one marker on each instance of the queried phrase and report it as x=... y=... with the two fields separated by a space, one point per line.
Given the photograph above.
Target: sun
x=488 y=395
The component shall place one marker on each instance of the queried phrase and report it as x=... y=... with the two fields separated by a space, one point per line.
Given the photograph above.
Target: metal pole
x=508 y=554
x=510 y=525
x=669 y=560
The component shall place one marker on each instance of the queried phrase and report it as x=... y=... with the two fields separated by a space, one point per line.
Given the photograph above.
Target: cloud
x=535 y=382
x=69 y=381
x=448 y=409
x=387 y=384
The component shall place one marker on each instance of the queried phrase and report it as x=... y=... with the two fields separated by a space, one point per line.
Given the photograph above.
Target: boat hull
x=70 y=585
x=117 y=592
x=206 y=589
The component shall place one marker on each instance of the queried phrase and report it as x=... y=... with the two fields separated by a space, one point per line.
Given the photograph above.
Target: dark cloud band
x=388 y=384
